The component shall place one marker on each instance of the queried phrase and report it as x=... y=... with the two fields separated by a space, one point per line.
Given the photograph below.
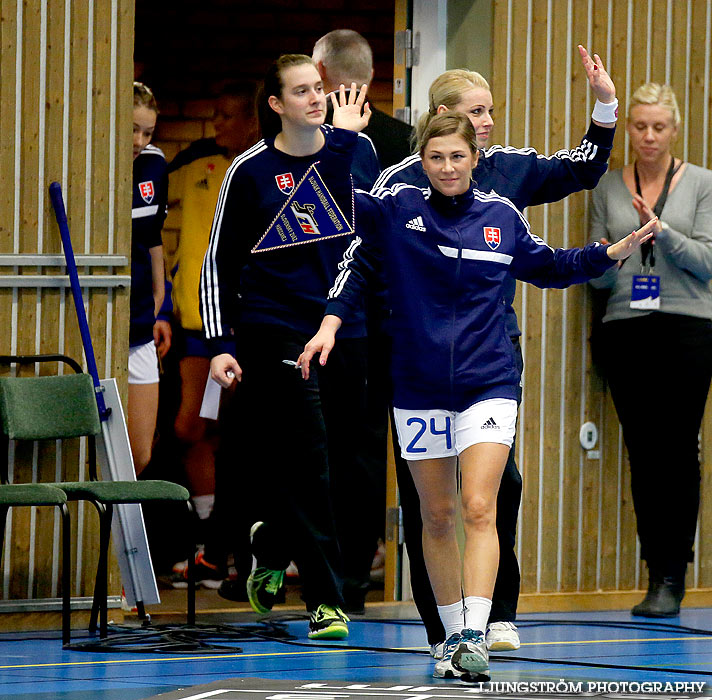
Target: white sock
x=204 y=505
x=451 y=616
x=476 y=613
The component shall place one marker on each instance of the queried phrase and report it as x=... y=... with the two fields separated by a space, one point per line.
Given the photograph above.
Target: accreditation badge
x=309 y=215
x=645 y=292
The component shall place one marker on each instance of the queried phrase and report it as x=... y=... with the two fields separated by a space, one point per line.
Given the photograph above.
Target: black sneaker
x=234 y=589
x=327 y=622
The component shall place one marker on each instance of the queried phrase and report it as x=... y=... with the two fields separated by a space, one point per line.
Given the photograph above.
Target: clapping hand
x=351 y=112
x=645 y=212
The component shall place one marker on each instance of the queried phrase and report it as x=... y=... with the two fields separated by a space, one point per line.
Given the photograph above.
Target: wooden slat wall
x=577 y=527
x=65 y=114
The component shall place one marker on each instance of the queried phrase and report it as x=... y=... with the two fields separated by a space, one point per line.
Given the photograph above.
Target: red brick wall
x=186 y=47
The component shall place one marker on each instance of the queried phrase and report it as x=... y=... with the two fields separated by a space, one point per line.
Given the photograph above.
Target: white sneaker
x=436 y=650
x=471 y=656
x=502 y=636
x=444 y=667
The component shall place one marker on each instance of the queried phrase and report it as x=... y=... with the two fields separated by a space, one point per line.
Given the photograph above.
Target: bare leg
x=482 y=466
x=436 y=482
x=142 y=411
x=192 y=430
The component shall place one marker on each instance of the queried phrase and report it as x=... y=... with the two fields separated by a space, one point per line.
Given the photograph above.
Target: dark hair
x=270 y=123
x=445 y=124
x=240 y=89
x=143 y=97
x=244 y=91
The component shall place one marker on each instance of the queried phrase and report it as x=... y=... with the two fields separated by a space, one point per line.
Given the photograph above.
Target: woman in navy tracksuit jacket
x=444 y=254
x=526 y=178
x=268 y=304
x=148 y=333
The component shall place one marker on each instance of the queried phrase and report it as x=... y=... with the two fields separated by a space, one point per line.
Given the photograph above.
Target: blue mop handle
x=55 y=195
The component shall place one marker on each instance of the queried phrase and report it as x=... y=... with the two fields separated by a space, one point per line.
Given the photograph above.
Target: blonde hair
x=143 y=96
x=447 y=89
x=656 y=94
x=445 y=124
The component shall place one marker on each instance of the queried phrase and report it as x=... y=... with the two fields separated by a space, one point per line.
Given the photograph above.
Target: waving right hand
x=350 y=112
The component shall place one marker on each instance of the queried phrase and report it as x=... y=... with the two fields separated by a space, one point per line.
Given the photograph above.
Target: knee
x=439 y=520
x=141 y=457
x=478 y=513
x=189 y=429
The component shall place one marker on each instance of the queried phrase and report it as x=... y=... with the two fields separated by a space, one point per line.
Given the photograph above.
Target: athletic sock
x=451 y=617
x=204 y=505
x=476 y=612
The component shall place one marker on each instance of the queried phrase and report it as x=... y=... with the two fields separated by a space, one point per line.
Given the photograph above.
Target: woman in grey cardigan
x=660 y=308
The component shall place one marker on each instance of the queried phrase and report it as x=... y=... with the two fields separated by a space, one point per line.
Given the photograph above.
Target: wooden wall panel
x=577 y=526
x=65 y=113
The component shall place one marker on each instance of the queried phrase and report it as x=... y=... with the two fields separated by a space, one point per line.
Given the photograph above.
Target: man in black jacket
x=344 y=56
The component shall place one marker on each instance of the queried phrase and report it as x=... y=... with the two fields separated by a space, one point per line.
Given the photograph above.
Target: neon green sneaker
x=327 y=622
x=263 y=585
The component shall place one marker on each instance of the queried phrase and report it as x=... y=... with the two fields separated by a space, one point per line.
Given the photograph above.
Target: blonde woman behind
x=674 y=323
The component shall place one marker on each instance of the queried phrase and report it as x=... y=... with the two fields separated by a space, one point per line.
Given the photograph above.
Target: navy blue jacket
x=525 y=177
x=285 y=287
x=148 y=212
x=445 y=261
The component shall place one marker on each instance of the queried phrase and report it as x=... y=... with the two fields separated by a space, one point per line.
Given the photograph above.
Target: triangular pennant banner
x=310 y=214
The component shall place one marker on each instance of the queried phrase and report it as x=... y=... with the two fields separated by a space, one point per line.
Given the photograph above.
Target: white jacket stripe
x=141 y=212
x=341 y=278
x=471 y=254
x=209 y=283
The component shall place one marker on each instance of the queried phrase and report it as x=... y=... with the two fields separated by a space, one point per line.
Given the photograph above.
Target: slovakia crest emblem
x=285 y=182
x=146 y=190
x=492 y=237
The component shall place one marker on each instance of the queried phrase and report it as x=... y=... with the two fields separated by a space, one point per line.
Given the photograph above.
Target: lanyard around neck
x=648 y=248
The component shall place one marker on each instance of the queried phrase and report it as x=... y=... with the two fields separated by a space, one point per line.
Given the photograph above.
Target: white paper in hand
x=211 y=400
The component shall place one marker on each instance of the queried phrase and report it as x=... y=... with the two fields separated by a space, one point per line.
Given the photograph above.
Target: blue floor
x=554 y=646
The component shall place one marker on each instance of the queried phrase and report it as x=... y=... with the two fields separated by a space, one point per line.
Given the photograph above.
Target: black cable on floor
x=182 y=639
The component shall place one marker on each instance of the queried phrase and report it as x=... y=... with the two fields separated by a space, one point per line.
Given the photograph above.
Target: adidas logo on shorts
x=489 y=424
x=416 y=224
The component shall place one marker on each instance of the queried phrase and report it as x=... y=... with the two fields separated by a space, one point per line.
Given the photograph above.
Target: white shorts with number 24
x=436 y=433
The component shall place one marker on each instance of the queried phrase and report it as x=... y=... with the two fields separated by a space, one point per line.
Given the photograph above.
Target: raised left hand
x=352 y=112
x=628 y=245
x=598 y=78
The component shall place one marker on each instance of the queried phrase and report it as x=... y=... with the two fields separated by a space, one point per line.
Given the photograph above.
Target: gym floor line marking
x=613 y=641
x=203 y=657
x=207 y=657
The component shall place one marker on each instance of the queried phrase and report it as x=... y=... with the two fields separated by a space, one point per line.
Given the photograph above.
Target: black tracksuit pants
x=658 y=368
x=296 y=438
x=506 y=589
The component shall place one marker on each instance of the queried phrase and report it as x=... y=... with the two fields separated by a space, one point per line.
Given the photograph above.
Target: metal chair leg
x=101 y=583
x=103 y=622
x=66 y=575
x=191 y=568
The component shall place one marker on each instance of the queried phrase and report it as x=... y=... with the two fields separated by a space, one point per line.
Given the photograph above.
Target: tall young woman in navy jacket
x=444 y=254
x=268 y=305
